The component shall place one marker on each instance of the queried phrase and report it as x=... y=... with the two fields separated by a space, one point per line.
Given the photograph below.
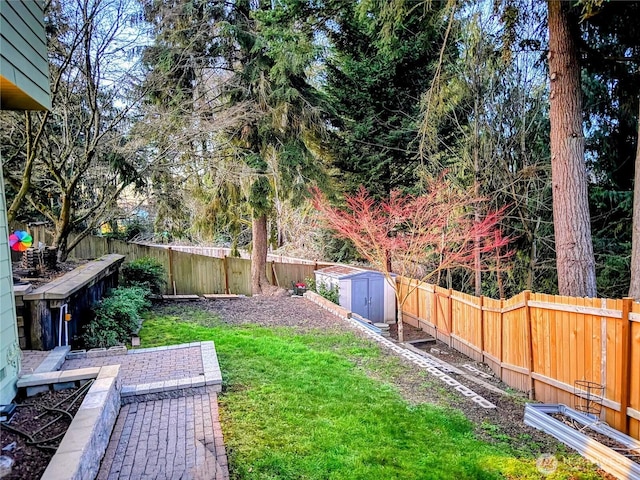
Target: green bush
x=144 y=272
x=116 y=317
x=331 y=293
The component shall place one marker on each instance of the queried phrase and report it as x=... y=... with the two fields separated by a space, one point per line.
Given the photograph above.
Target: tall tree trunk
x=259 y=254
x=63 y=227
x=634 y=286
x=574 y=250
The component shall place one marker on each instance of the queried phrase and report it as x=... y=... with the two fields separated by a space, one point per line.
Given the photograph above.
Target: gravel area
x=282 y=311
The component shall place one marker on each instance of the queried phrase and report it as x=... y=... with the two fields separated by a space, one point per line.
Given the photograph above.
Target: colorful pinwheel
x=20 y=240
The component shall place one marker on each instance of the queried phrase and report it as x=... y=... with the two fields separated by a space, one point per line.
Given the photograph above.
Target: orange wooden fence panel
x=634 y=386
x=543 y=343
x=466 y=327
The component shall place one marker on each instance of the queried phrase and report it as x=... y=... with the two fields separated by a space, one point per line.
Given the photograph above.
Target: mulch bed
x=46 y=428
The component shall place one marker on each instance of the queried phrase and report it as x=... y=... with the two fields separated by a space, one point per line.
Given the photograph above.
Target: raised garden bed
x=612 y=450
x=73 y=293
x=78 y=455
x=36 y=429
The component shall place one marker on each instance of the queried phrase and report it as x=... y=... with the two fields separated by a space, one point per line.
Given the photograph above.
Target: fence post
x=418 y=302
x=527 y=313
x=434 y=312
x=625 y=370
x=172 y=281
x=450 y=313
x=225 y=267
x=273 y=273
x=481 y=304
x=501 y=336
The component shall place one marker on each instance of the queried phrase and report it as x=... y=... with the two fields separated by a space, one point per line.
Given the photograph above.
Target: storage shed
x=364 y=292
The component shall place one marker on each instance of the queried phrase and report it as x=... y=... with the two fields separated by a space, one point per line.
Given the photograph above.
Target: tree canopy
x=214 y=119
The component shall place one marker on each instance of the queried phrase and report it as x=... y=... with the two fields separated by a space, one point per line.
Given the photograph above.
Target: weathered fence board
x=193 y=273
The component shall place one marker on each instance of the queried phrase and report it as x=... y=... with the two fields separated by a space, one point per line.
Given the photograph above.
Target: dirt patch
x=269 y=311
x=35 y=431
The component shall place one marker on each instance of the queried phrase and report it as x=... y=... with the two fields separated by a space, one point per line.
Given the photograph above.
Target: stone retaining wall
x=79 y=455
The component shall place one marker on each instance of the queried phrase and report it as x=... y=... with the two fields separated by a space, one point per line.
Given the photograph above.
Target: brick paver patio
x=164 y=434
x=30 y=360
x=149 y=367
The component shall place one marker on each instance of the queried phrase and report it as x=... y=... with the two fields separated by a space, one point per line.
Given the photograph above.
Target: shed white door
x=367 y=298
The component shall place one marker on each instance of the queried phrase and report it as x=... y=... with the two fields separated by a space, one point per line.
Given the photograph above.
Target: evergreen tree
x=610 y=49
x=181 y=74
x=281 y=142
x=376 y=73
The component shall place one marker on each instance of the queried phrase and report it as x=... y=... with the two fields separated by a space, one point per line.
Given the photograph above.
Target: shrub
x=330 y=292
x=144 y=272
x=116 y=317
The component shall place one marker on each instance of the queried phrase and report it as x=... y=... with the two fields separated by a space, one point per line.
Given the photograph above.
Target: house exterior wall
x=9 y=351
x=24 y=85
x=24 y=69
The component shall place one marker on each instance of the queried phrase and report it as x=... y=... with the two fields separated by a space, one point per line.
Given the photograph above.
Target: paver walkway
x=30 y=360
x=176 y=438
x=164 y=433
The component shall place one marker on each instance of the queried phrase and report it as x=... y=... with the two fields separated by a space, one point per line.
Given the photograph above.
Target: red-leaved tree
x=414 y=236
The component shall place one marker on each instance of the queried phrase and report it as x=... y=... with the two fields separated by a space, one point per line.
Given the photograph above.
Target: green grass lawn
x=296 y=406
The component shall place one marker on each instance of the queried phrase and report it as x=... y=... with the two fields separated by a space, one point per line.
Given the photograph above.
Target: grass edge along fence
x=542 y=344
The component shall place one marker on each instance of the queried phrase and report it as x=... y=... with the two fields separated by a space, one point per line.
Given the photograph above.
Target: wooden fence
x=190 y=273
x=542 y=344
x=221 y=252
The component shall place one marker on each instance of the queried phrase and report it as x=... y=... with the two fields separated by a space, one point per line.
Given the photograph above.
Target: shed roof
x=341 y=271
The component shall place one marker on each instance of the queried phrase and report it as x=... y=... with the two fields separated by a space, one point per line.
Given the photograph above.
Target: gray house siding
x=23 y=56
x=9 y=352
x=24 y=85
